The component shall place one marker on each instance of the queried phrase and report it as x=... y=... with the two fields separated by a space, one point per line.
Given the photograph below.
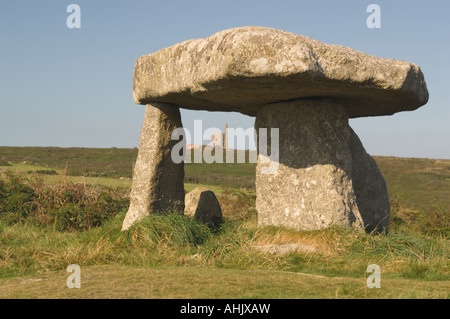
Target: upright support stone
x=324 y=175
x=312 y=187
x=370 y=188
x=157 y=181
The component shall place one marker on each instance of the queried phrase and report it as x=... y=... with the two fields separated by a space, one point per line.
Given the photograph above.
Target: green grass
x=56 y=176
x=116 y=162
x=118 y=281
x=417 y=183
x=95 y=162
x=181 y=258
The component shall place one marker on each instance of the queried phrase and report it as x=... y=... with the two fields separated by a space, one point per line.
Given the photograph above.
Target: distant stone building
x=219 y=139
x=192 y=146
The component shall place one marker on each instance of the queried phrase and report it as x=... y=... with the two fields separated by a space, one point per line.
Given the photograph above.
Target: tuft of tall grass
x=167 y=229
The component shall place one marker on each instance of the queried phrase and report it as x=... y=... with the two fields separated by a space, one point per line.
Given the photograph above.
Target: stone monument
x=306 y=89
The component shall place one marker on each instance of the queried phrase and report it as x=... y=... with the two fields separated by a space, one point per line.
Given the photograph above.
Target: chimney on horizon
x=225 y=136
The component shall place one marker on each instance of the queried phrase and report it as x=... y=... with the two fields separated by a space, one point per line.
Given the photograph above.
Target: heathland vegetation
x=65 y=206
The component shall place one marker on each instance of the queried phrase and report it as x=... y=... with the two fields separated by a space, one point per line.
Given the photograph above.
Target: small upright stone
x=157 y=181
x=202 y=205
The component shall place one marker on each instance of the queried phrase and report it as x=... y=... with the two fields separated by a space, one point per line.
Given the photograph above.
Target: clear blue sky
x=73 y=87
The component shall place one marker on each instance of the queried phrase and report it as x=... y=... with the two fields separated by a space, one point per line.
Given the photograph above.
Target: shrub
x=4 y=163
x=15 y=197
x=237 y=204
x=46 y=172
x=65 y=206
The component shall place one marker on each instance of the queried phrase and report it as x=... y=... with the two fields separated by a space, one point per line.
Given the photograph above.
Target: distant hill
x=420 y=183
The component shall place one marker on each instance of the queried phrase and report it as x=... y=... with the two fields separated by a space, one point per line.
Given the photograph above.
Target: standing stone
x=202 y=205
x=324 y=177
x=370 y=188
x=312 y=187
x=157 y=181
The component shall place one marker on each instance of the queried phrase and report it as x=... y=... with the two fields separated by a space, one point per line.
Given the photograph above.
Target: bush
x=65 y=206
x=4 y=163
x=237 y=204
x=432 y=222
x=16 y=197
x=46 y=172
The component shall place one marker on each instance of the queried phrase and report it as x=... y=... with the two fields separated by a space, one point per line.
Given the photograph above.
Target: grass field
x=204 y=283
x=65 y=206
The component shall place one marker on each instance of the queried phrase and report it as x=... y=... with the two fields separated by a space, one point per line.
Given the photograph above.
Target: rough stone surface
x=312 y=187
x=202 y=205
x=370 y=188
x=243 y=69
x=157 y=184
x=323 y=176
x=306 y=89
